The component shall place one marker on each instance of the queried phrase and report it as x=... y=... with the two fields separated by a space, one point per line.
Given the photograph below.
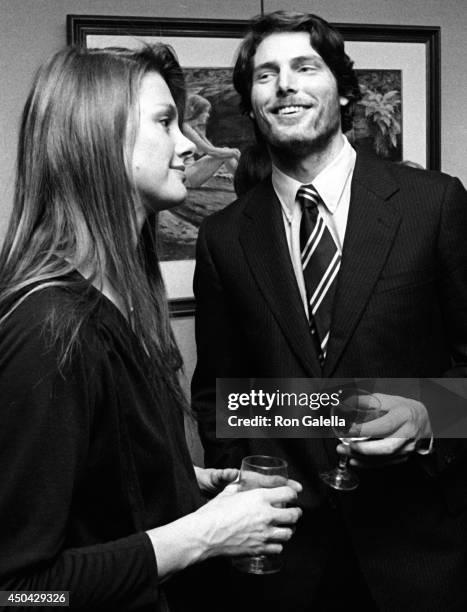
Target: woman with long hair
x=98 y=493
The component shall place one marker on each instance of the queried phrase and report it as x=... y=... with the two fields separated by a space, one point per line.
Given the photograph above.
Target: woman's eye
x=165 y=122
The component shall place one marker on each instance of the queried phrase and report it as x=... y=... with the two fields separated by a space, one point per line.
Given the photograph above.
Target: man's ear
x=343 y=101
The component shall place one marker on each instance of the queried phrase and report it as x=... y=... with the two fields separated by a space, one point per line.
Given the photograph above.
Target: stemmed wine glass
x=355 y=407
x=261 y=471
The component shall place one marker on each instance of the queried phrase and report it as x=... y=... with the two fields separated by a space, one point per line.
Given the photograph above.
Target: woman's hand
x=252 y=522
x=211 y=481
x=234 y=523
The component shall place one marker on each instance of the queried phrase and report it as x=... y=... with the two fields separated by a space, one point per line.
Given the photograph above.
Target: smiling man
x=339 y=265
x=295 y=100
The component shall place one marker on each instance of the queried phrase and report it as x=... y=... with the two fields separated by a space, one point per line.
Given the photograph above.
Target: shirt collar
x=329 y=183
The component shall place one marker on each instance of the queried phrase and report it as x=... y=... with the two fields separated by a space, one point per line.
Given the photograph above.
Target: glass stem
x=343 y=462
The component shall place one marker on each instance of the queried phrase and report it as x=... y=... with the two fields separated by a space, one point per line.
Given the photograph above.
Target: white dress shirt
x=333 y=185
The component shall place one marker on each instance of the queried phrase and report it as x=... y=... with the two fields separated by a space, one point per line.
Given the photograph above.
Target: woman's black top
x=89 y=459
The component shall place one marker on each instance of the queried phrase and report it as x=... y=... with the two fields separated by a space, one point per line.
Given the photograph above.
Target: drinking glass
x=261 y=471
x=355 y=407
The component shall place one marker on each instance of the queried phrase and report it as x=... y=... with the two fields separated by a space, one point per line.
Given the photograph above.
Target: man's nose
x=286 y=82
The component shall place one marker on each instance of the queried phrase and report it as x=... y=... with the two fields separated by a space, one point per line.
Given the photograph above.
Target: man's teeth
x=288 y=110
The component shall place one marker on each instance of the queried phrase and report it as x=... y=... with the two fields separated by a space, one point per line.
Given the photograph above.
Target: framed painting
x=398 y=117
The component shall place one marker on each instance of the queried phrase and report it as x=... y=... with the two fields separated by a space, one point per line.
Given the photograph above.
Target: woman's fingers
x=281 y=534
x=280 y=495
x=251 y=522
x=225 y=476
x=230 y=490
x=286 y=516
x=295 y=485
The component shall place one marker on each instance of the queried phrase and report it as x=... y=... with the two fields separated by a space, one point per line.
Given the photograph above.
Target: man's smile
x=291 y=109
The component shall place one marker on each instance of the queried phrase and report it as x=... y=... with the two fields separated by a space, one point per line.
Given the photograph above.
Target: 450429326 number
x=34 y=598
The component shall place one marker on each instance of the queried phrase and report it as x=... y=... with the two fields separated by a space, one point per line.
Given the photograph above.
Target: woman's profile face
x=160 y=149
x=204 y=116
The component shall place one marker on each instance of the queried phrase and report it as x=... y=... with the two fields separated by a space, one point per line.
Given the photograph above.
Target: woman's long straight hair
x=75 y=202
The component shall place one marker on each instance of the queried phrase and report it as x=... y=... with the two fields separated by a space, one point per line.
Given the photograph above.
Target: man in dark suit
x=340 y=266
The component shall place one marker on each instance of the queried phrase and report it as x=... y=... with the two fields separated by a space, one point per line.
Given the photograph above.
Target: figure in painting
x=208 y=157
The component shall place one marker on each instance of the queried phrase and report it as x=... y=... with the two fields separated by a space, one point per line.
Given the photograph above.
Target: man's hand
x=212 y=481
x=395 y=435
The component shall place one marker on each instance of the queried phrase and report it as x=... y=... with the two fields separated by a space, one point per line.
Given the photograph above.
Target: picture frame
x=409 y=54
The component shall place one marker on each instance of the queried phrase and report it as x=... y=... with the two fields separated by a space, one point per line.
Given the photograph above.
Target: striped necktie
x=320 y=263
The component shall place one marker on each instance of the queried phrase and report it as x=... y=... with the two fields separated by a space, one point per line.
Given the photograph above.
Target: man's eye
x=165 y=122
x=264 y=76
x=307 y=68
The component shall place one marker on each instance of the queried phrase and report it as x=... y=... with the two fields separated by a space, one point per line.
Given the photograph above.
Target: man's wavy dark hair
x=324 y=39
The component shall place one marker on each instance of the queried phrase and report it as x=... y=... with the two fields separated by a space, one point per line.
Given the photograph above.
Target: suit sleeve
x=452 y=247
x=218 y=355
x=452 y=279
x=46 y=414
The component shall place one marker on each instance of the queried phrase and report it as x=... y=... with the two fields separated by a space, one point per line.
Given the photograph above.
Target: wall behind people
x=30 y=30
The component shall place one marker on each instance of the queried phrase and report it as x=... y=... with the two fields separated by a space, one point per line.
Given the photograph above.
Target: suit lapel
x=370 y=231
x=265 y=247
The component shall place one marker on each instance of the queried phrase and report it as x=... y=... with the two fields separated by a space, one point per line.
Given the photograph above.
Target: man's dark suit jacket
x=400 y=311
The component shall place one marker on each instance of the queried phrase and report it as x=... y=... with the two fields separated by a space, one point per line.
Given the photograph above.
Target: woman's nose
x=183 y=146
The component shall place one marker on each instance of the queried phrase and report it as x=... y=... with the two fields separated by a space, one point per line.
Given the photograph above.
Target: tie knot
x=308 y=196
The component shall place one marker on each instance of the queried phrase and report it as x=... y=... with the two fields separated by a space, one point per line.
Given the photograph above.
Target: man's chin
x=301 y=142
x=294 y=146
x=283 y=137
